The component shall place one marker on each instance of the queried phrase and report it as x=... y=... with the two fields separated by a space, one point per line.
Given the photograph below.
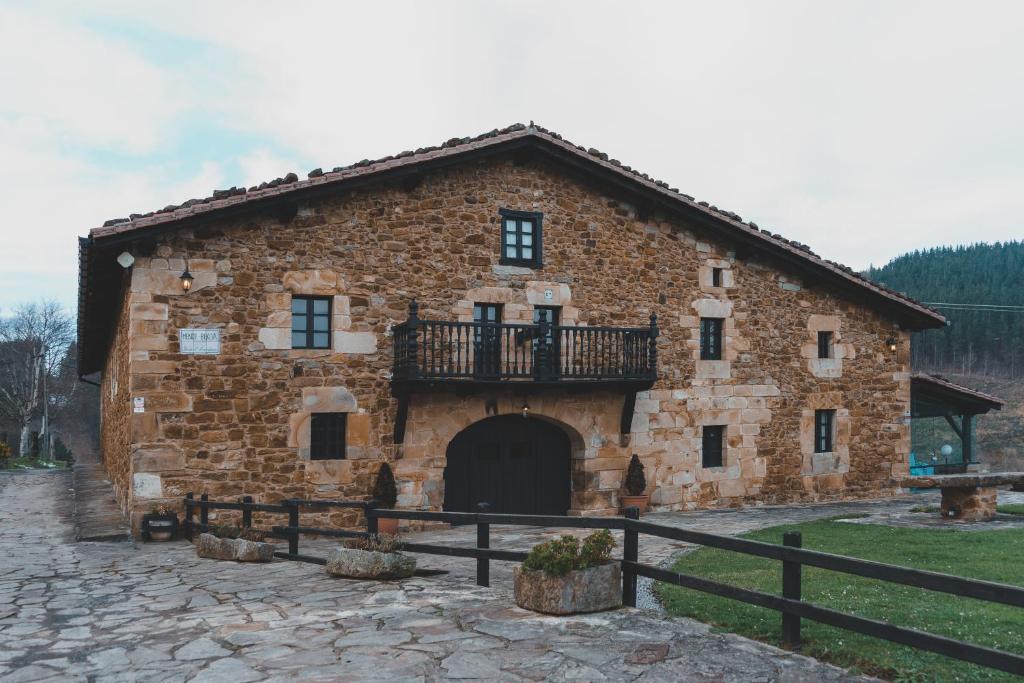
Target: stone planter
x=370 y=564
x=634 y=502
x=582 y=590
x=237 y=549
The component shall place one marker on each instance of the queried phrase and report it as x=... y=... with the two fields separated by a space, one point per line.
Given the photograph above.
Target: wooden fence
x=792 y=556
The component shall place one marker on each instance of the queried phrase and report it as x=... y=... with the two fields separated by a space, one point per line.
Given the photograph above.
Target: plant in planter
x=234 y=543
x=562 y=576
x=375 y=557
x=386 y=494
x=159 y=524
x=636 y=485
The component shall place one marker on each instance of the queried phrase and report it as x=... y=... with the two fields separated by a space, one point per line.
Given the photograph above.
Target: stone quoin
x=573 y=253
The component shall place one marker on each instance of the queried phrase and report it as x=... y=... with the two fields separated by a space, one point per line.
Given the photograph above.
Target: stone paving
x=125 y=612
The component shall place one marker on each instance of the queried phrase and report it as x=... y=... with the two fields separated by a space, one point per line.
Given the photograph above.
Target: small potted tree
x=159 y=524
x=234 y=543
x=375 y=557
x=636 y=485
x=386 y=494
x=562 y=576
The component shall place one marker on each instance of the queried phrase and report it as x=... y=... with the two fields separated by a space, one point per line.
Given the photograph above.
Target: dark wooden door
x=517 y=465
x=487 y=341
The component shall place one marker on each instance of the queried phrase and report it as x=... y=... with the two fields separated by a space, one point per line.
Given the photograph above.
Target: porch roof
x=936 y=396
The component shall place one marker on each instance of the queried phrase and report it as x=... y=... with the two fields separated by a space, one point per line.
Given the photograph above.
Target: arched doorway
x=517 y=465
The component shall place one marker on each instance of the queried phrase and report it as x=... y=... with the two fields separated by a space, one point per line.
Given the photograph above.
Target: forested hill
x=980 y=340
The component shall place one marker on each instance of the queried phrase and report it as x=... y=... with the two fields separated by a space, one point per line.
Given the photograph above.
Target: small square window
x=311 y=322
x=712 y=446
x=716 y=277
x=825 y=347
x=824 y=430
x=327 y=436
x=521 y=238
x=711 y=338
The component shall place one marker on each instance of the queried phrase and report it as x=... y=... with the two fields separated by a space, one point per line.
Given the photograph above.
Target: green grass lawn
x=991 y=555
x=32 y=464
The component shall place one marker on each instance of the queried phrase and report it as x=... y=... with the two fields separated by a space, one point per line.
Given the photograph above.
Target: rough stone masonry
x=238 y=422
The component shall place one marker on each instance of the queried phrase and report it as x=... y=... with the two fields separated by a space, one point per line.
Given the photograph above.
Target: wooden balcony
x=444 y=352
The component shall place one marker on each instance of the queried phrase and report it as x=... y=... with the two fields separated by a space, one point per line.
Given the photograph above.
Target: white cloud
x=861 y=129
x=262 y=164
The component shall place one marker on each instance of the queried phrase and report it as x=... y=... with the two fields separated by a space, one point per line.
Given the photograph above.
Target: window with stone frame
x=712 y=450
x=521 y=238
x=825 y=344
x=311 y=322
x=711 y=338
x=327 y=436
x=824 y=430
x=716 y=277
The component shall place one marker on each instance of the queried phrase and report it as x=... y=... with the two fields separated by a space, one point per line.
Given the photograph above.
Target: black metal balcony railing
x=490 y=352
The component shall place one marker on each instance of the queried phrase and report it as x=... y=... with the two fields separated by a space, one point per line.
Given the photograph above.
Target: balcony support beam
x=401 y=416
x=626 y=419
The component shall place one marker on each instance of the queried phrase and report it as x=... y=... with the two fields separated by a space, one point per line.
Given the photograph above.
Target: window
x=327 y=436
x=824 y=344
x=716 y=277
x=487 y=313
x=712 y=446
x=311 y=322
x=711 y=338
x=824 y=426
x=520 y=238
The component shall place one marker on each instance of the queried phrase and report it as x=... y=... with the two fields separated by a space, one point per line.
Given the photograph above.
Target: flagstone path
x=95 y=611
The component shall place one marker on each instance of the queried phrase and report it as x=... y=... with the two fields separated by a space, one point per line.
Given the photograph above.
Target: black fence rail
x=793 y=557
x=447 y=350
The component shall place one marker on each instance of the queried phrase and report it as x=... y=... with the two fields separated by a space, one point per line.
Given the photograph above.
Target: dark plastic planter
x=159 y=527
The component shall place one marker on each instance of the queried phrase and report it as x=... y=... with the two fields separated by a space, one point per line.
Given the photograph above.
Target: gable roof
x=590 y=161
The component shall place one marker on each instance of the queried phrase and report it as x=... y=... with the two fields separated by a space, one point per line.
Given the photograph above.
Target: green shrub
x=381 y=543
x=636 y=482
x=559 y=556
x=384 y=491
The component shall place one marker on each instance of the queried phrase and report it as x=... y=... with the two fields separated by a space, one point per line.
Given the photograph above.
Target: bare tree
x=33 y=343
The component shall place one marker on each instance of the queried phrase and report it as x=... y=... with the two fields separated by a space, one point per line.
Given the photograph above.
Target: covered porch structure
x=935 y=396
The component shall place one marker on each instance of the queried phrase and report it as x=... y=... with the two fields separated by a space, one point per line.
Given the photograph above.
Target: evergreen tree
x=979 y=342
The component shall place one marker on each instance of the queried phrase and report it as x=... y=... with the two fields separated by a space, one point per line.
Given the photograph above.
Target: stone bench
x=968 y=497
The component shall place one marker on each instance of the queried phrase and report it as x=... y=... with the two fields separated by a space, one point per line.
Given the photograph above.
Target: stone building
x=504 y=318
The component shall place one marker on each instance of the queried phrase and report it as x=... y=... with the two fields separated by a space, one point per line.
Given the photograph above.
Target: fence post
x=204 y=512
x=483 y=540
x=189 y=511
x=791 y=575
x=293 y=525
x=246 y=512
x=371 y=516
x=630 y=553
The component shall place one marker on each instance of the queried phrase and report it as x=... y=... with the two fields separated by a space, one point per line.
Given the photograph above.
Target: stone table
x=967 y=497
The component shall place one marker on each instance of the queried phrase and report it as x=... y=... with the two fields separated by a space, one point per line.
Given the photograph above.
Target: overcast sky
x=864 y=129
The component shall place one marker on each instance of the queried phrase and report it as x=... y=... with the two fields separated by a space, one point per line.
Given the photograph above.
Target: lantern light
x=186 y=279
x=891 y=343
x=526 y=409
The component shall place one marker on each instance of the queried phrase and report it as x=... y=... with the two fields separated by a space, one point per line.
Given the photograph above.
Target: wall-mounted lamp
x=891 y=343
x=186 y=279
x=525 y=409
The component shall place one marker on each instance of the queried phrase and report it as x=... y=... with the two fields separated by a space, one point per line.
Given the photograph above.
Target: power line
x=997 y=308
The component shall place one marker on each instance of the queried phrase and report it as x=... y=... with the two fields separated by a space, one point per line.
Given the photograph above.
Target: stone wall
x=115 y=409
x=237 y=423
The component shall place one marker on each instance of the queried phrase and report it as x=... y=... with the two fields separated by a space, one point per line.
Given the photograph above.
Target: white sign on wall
x=199 y=342
x=139 y=404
